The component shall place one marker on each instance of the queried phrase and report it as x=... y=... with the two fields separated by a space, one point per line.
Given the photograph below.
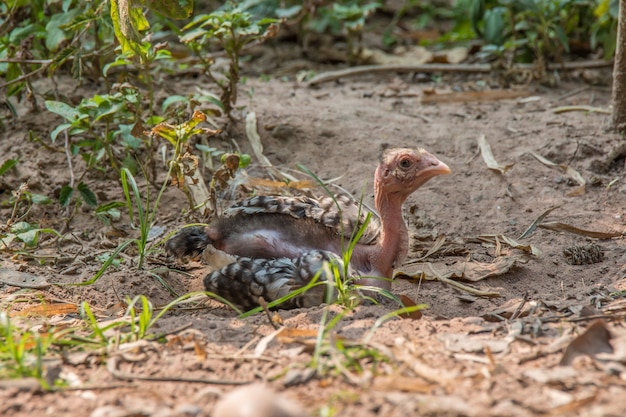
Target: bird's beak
x=440 y=169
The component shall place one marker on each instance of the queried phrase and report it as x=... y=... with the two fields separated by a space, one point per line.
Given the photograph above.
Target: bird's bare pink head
x=402 y=171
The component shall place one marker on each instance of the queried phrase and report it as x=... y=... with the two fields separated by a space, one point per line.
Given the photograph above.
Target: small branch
x=23 y=77
x=428 y=68
x=68 y=154
x=27 y=61
x=589 y=109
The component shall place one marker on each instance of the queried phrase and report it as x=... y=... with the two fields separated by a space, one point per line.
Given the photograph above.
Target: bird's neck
x=394 y=241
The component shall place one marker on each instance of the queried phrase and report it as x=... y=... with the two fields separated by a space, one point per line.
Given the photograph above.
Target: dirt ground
x=469 y=355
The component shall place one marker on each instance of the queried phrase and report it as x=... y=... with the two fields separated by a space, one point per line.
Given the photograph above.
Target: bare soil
x=464 y=357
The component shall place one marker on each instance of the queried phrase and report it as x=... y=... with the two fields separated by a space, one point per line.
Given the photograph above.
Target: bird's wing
x=340 y=213
x=244 y=281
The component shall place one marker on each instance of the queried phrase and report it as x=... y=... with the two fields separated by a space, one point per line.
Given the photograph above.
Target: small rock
x=256 y=401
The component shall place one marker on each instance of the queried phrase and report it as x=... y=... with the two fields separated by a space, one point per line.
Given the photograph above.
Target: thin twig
x=519 y=308
x=23 y=77
x=92 y=387
x=263 y=305
x=112 y=368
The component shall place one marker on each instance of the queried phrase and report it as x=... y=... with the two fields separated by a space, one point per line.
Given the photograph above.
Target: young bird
x=273 y=245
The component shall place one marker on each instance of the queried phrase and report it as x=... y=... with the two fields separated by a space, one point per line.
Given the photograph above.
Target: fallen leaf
x=478 y=271
x=567 y=170
x=22 y=279
x=506 y=310
x=538 y=220
x=562 y=227
x=402 y=383
x=200 y=351
x=498 y=239
x=407 y=302
x=488 y=157
x=255 y=139
x=46 y=310
x=290 y=335
x=594 y=340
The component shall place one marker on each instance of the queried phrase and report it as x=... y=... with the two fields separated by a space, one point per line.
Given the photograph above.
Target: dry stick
x=521 y=305
x=468 y=68
x=112 y=368
x=92 y=387
x=263 y=304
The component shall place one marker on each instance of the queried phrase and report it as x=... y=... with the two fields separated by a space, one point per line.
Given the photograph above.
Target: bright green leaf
x=7 y=165
x=174 y=9
x=65 y=110
x=65 y=195
x=88 y=196
x=40 y=199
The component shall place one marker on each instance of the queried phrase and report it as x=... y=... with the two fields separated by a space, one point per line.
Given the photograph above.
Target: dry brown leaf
x=498 y=239
x=562 y=227
x=289 y=335
x=200 y=351
x=449 y=277
x=407 y=302
x=255 y=139
x=257 y=147
x=46 y=310
x=509 y=308
x=478 y=271
x=402 y=383
x=567 y=170
x=488 y=157
x=473 y=96
x=538 y=220
x=22 y=279
x=593 y=341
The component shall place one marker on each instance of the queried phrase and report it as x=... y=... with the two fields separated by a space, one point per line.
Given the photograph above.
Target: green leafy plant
x=347 y=17
x=42 y=36
x=102 y=127
x=21 y=353
x=16 y=228
x=145 y=213
x=183 y=163
x=542 y=30
x=231 y=28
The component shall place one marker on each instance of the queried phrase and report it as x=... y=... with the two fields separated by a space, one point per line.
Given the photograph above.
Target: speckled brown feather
x=244 y=281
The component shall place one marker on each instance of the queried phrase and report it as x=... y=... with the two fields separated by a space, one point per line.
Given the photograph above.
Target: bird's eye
x=405 y=163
